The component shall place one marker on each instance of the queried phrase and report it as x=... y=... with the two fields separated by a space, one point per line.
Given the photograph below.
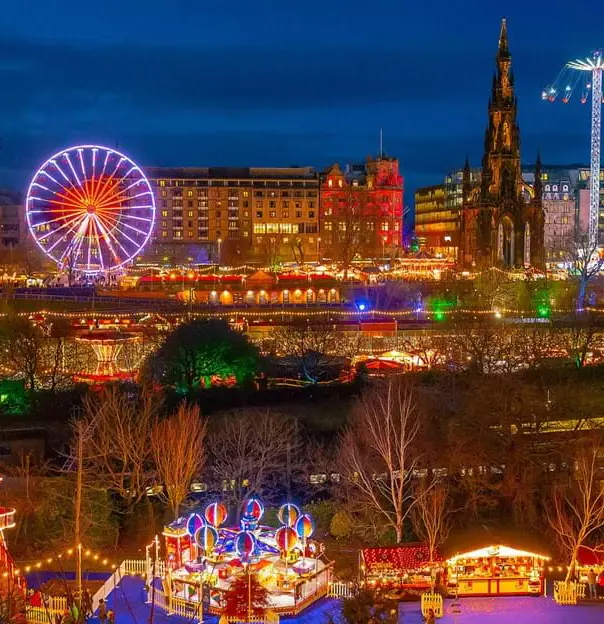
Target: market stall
x=409 y=567
x=495 y=571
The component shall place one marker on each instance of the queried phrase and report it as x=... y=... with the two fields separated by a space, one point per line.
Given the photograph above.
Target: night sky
x=277 y=82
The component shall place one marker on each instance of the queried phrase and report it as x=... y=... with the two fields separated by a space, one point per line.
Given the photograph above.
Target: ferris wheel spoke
x=61 y=218
x=68 y=222
x=106 y=236
x=135 y=218
x=119 y=194
x=112 y=188
x=98 y=244
x=110 y=233
x=107 y=186
x=117 y=227
x=81 y=155
x=128 y=197
x=63 y=237
x=131 y=227
x=75 y=175
x=72 y=251
x=68 y=180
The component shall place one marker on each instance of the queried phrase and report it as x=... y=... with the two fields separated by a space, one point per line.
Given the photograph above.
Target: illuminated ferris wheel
x=90 y=209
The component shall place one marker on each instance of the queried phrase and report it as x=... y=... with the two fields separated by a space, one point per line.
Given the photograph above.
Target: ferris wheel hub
x=90 y=209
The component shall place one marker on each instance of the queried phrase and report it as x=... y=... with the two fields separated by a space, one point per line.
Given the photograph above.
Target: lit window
x=259 y=214
x=340 y=183
x=164 y=234
x=330 y=183
x=162 y=183
x=177 y=234
x=190 y=234
x=190 y=213
x=273 y=214
x=164 y=213
x=189 y=193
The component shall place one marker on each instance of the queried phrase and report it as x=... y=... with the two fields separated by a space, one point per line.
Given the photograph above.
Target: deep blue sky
x=278 y=82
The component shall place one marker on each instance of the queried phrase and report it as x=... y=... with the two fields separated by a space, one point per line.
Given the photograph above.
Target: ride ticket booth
x=496 y=571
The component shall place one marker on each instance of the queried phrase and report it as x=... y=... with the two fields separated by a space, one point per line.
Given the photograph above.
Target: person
x=430 y=619
x=591 y=581
x=111 y=616
x=102 y=611
x=601 y=583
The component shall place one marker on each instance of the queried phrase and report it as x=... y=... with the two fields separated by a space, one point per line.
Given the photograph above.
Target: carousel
x=206 y=557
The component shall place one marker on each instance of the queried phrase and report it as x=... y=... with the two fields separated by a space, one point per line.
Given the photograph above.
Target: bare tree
x=253 y=453
x=377 y=453
x=585 y=262
x=431 y=516
x=311 y=347
x=178 y=450
x=575 y=512
x=119 y=446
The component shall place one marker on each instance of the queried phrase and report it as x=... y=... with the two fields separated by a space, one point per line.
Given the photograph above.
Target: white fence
x=434 y=601
x=568 y=593
x=46 y=614
x=339 y=589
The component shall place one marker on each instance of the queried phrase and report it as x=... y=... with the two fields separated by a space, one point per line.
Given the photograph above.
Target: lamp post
x=383 y=248
x=219 y=241
x=319 y=249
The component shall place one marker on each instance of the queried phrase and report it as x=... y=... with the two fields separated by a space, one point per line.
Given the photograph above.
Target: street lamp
x=319 y=249
x=219 y=241
x=383 y=248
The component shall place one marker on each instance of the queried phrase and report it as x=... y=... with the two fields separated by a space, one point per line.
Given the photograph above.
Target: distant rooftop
x=231 y=173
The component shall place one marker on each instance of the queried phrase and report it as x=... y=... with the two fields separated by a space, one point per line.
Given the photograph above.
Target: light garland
x=70 y=552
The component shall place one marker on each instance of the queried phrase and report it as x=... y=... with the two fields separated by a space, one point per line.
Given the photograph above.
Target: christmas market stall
x=408 y=567
x=496 y=571
x=207 y=559
x=589 y=559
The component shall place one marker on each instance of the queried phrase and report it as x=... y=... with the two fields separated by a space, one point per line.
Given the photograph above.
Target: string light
x=87 y=554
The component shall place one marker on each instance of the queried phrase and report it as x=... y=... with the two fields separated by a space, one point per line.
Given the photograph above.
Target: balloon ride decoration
x=90 y=209
x=206 y=538
x=245 y=544
x=288 y=514
x=216 y=514
x=253 y=510
x=305 y=527
x=207 y=551
x=286 y=539
x=194 y=523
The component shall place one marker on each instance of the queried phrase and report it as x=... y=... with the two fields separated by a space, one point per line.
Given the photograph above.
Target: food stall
x=495 y=571
x=407 y=567
x=589 y=559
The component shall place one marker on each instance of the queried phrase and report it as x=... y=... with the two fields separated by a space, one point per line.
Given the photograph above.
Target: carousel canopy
x=496 y=551
x=397 y=558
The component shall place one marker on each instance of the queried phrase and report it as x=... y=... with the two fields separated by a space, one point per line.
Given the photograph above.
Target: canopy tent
x=397 y=558
x=588 y=557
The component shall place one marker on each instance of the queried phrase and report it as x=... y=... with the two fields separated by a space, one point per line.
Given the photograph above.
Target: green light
x=439 y=316
x=544 y=311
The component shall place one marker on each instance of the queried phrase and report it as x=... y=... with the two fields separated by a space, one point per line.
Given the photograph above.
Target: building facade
x=502 y=221
x=235 y=215
x=362 y=210
x=436 y=229
x=10 y=218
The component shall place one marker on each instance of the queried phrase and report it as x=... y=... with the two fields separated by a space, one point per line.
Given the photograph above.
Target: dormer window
x=330 y=183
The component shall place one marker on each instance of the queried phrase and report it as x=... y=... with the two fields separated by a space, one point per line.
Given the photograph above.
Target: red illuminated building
x=362 y=210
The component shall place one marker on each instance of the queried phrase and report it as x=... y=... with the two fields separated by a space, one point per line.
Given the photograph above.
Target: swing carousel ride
x=205 y=557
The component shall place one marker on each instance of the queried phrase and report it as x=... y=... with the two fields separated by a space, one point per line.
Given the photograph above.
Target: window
x=273 y=214
x=329 y=183
x=164 y=193
x=189 y=223
x=190 y=203
x=258 y=214
x=218 y=214
x=272 y=204
x=285 y=214
x=285 y=194
x=246 y=213
x=190 y=234
x=164 y=203
x=190 y=213
x=162 y=183
x=258 y=194
x=311 y=214
x=246 y=193
x=298 y=205
x=311 y=204
x=286 y=204
x=258 y=204
x=164 y=213
x=164 y=224
x=164 y=234
x=189 y=193
x=246 y=234
x=178 y=234
x=298 y=214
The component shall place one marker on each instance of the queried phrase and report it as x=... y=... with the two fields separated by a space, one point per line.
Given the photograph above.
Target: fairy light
x=87 y=554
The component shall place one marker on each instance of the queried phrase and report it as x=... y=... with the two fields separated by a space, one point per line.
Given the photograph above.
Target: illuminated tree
x=378 y=456
x=197 y=351
x=431 y=516
x=585 y=263
x=246 y=596
x=575 y=512
x=178 y=452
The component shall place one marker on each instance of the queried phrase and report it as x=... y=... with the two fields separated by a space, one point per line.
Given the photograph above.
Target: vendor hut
x=496 y=571
x=407 y=567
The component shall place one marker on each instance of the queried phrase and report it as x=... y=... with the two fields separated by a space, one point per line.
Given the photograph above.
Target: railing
x=434 y=601
x=268 y=618
x=568 y=593
x=108 y=586
x=134 y=566
x=338 y=589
